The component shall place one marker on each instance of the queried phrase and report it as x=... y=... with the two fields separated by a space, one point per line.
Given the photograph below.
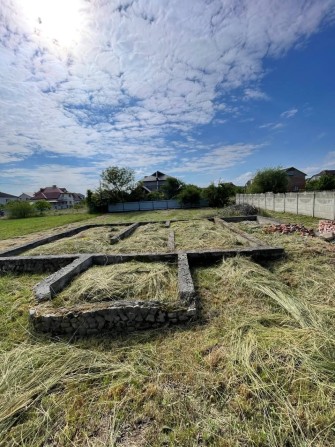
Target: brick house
x=296 y=179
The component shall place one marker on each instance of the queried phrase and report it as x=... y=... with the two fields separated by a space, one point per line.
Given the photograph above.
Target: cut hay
x=149 y=238
x=202 y=234
x=94 y=240
x=260 y=283
x=140 y=281
x=30 y=373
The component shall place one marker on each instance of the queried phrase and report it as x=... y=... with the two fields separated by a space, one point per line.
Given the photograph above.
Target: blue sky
x=200 y=89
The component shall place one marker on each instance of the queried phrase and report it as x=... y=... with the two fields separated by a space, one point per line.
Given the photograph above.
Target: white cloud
x=255 y=94
x=272 y=126
x=217 y=158
x=242 y=179
x=289 y=113
x=136 y=73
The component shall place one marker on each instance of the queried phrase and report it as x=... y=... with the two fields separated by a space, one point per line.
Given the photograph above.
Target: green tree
x=269 y=180
x=119 y=182
x=326 y=182
x=41 y=206
x=19 y=210
x=219 y=195
x=155 y=195
x=312 y=185
x=172 y=187
x=189 y=195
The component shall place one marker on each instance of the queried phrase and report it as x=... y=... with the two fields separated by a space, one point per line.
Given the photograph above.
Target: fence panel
x=318 y=204
x=147 y=205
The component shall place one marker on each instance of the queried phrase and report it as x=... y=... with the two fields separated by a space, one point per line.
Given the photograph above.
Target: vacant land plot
x=256 y=370
x=141 y=281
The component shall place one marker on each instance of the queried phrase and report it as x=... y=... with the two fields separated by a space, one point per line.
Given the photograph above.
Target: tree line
x=118 y=185
x=276 y=180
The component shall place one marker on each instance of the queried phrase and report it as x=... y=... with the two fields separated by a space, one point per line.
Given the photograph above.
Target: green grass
x=308 y=221
x=10 y=228
x=161 y=215
x=257 y=370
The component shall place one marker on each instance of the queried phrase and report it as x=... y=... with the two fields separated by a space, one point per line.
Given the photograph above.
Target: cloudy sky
x=199 y=89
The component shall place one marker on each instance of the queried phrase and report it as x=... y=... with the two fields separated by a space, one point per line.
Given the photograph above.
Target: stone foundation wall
x=123 y=316
x=35 y=264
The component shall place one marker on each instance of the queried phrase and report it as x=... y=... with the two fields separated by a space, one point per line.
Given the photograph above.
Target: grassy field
x=256 y=370
x=10 y=228
x=308 y=221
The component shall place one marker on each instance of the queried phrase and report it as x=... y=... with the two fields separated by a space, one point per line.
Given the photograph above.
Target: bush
x=41 y=206
x=220 y=195
x=269 y=180
x=190 y=195
x=19 y=210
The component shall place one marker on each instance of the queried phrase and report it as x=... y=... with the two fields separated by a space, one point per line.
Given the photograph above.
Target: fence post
x=313 y=210
x=284 y=201
x=297 y=203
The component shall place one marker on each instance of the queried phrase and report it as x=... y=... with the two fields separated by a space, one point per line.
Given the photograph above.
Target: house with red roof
x=59 y=198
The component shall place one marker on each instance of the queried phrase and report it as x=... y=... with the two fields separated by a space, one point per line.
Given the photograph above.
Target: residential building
x=154 y=182
x=5 y=198
x=330 y=172
x=59 y=198
x=26 y=196
x=296 y=179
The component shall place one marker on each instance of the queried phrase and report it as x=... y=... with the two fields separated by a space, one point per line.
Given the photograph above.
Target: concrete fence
x=317 y=204
x=149 y=205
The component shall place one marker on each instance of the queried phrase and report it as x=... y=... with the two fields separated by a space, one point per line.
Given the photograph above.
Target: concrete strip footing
x=185 y=282
x=170 y=242
x=49 y=287
x=123 y=234
x=253 y=242
x=46 y=240
x=35 y=264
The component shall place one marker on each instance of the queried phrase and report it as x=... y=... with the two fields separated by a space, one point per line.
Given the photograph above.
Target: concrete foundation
x=120 y=316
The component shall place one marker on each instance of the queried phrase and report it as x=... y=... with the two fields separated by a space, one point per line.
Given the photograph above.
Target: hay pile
x=202 y=234
x=94 y=240
x=134 y=280
x=149 y=238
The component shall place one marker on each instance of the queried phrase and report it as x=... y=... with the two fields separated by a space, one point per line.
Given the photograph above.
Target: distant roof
x=30 y=194
x=292 y=168
x=49 y=193
x=4 y=195
x=155 y=176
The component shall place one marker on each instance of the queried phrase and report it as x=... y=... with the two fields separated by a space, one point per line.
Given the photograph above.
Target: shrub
x=41 y=206
x=190 y=195
x=19 y=210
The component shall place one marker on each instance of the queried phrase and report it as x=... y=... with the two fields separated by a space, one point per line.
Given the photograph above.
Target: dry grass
x=142 y=281
x=202 y=234
x=257 y=371
x=149 y=238
x=94 y=240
